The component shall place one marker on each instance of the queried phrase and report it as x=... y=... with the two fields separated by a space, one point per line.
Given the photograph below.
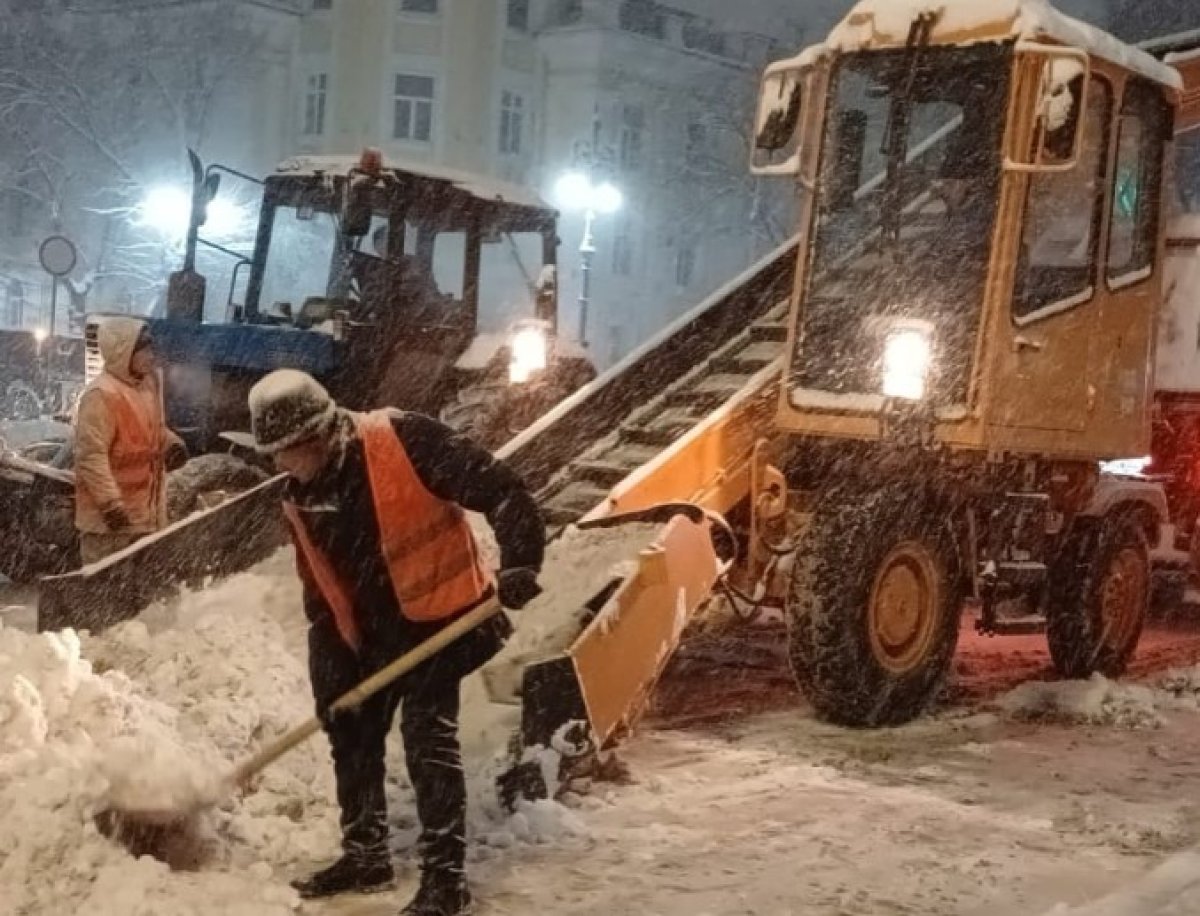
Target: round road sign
x=58 y=256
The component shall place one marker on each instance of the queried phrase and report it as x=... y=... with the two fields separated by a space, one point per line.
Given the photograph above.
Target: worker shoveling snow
x=151 y=713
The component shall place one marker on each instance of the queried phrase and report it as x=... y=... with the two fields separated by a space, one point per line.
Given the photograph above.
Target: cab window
x=1063 y=215
x=1137 y=183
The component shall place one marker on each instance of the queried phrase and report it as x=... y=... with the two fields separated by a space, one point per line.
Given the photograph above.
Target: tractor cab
x=982 y=248
x=413 y=267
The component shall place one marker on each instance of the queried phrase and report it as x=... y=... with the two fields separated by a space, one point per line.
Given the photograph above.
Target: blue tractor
x=394 y=284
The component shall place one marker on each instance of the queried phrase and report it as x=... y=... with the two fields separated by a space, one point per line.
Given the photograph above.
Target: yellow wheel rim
x=1122 y=596
x=904 y=609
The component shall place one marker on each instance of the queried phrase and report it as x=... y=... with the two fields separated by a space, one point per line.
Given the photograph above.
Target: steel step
x=749 y=360
x=775 y=332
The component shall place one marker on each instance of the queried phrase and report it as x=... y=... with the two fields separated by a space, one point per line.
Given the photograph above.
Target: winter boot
x=441 y=894
x=348 y=875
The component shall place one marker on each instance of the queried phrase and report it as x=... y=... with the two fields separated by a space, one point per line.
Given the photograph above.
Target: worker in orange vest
x=376 y=508
x=123 y=448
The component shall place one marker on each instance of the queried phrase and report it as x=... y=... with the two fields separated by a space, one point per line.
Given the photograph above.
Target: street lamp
x=576 y=191
x=167 y=209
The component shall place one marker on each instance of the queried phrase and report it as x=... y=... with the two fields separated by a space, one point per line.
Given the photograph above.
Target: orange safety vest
x=136 y=454
x=432 y=558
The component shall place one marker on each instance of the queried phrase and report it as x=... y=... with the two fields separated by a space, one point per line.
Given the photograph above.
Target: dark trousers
x=428 y=699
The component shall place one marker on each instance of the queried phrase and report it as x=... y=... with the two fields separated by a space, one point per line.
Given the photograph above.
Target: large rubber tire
x=479 y=412
x=188 y=487
x=875 y=604
x=21 y=403
x=1098 y=597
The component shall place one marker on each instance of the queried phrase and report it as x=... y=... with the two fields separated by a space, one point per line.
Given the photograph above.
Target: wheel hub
x=1122 y=594
x=904 y=608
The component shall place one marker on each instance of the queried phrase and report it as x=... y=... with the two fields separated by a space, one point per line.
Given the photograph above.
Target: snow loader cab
x=971 y=332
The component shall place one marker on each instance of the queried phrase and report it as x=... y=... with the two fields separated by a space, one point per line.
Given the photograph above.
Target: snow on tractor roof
x=480 y=186
x=886 y=23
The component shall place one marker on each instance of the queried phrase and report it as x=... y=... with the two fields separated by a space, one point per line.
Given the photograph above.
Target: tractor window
x=509 y=267
x=449 y=262
x=299 y=260
x=1133 y=239
x=1062 y=219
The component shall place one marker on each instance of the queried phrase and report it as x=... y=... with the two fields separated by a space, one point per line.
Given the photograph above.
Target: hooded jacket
x=102 y=419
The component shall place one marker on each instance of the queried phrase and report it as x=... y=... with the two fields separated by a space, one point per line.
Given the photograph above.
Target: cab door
x=1057 y=284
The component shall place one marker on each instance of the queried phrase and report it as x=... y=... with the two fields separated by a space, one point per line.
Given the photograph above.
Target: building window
x=518 y=15
x=1063 y=214
x=643 y=17
x=566 y=12
x=698 y=36
x=1133 y=238
x=685 y=266
x=322 y=5
x=314 y=104
x=418 y=6
x=512 y=122
x=633 y=123
x=413 y=108
x=623 y=250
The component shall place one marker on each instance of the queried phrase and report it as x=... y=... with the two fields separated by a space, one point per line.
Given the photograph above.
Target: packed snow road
x=1043 y=800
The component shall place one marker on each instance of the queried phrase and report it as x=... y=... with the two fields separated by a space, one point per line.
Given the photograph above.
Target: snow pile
x=1181 y=687
x=222 y=660
x=70 y=740
x=1097 y=701
x=1171 y=889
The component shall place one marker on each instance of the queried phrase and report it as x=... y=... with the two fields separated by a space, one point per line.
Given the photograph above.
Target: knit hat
x=288 y=407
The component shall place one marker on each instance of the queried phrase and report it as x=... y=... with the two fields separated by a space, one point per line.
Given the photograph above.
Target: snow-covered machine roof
x=480 y=186
x=886 y=23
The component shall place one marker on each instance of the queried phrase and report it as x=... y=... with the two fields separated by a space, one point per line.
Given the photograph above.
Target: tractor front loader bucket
x=598 y=688
x=217 y=542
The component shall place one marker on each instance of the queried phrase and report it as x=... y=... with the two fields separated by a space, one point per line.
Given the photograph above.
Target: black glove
x=177 y=456
x=517 y=587
x=116 y=518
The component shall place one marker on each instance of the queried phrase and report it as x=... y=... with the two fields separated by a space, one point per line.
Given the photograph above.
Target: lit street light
x=167 y=210
x=576 y=191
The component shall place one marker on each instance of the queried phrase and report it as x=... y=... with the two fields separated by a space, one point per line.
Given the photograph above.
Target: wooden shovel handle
x=368 y=688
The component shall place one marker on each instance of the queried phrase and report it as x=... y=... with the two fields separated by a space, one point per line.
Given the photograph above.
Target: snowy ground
x=1069 y=799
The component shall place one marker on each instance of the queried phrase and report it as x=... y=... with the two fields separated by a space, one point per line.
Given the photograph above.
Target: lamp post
x=577 y=191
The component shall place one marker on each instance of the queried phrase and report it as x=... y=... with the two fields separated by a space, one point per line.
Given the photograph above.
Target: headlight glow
x=529 y=347
x=907 y=354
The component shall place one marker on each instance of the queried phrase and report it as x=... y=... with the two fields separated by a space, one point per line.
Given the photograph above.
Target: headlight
x=907 y=354
x=529 y=347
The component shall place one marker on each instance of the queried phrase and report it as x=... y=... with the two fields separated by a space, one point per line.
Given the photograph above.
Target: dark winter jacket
x=340 y=515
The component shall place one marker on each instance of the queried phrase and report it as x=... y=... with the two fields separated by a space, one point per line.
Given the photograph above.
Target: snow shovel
x=169 y=835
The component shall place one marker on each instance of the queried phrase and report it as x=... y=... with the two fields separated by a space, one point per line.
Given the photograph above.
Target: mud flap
x=600 y=685
x=217 y=542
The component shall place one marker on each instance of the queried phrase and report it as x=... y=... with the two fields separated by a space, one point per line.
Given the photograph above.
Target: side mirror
x=850 y=142
x=777 y=124
x=1058 y=112
x=358 y=210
